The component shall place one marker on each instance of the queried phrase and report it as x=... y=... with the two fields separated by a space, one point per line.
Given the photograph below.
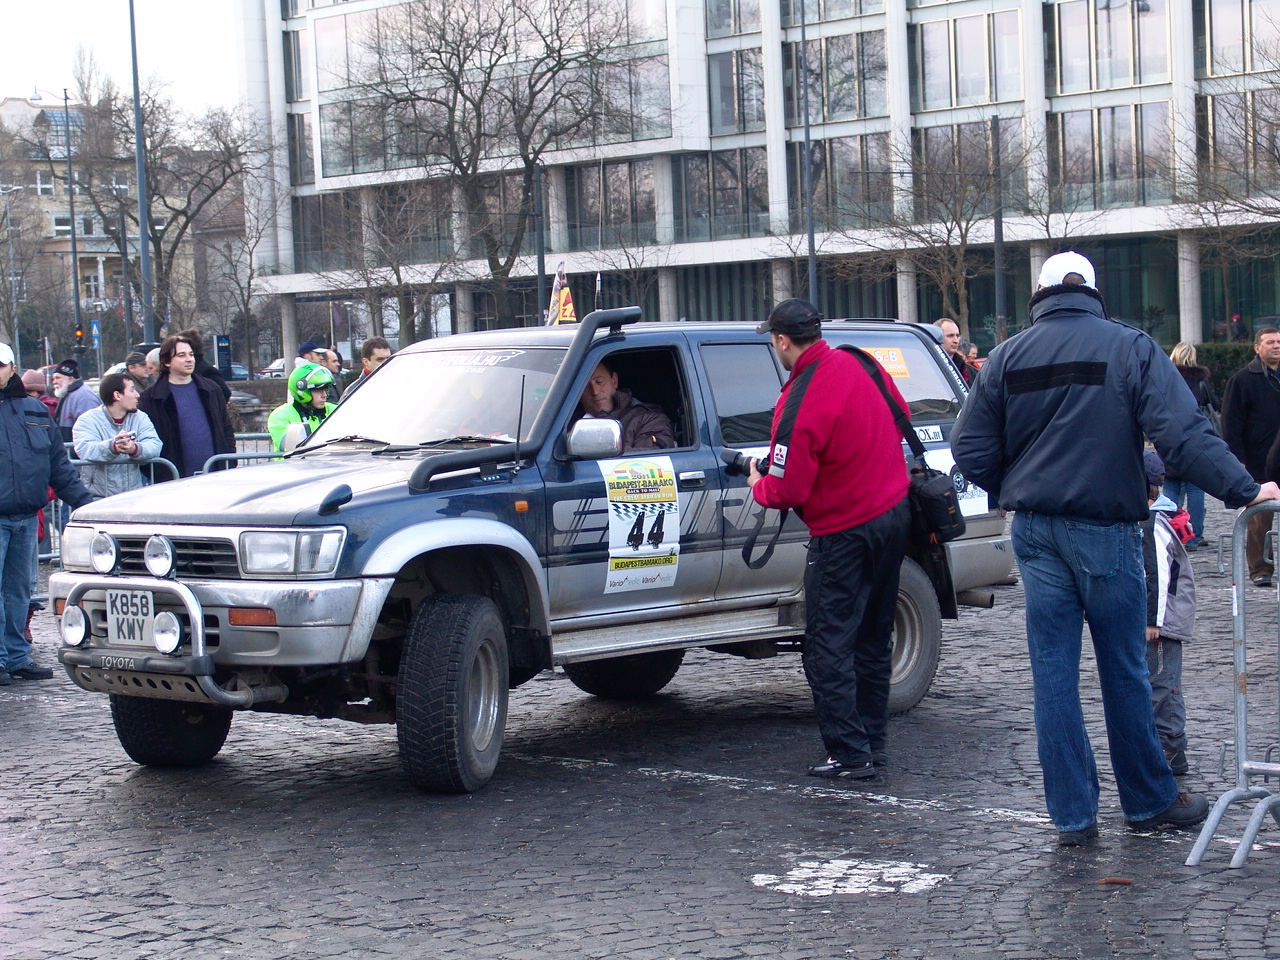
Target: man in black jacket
x=1250 y=424
x=188 y=411
x=1053 y=428
x=32 y=459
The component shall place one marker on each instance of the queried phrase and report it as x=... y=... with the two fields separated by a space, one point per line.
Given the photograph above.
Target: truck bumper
x=317 y=623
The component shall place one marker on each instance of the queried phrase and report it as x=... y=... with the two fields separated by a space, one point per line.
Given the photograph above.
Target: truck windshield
x=447 y=395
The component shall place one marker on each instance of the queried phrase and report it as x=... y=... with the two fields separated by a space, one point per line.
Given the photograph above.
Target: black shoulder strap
x=876 y=373
x=787 y=422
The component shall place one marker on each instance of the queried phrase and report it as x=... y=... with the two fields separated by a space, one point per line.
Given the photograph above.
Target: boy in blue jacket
x=1171 y=615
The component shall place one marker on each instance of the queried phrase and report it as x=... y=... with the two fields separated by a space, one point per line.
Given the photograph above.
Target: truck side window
x=653 y=376
x=745 y=384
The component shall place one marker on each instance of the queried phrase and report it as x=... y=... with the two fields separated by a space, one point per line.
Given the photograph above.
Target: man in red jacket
x=836 y=459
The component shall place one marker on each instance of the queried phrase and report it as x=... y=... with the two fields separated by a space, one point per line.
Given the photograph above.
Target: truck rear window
x=914 y=367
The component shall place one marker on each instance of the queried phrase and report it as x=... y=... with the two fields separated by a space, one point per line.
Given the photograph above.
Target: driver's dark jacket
x=1055 y=418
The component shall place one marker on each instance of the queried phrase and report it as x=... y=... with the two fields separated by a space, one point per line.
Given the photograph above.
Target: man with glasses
x=1250 y=423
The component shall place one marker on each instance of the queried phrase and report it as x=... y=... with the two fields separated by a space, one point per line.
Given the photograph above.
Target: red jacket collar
x=810 y=357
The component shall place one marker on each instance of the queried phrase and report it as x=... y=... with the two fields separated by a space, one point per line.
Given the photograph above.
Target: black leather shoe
x=32 y=672
x=1262 y=580
x=5 y=679
x=1178 y=761
x=834 y=769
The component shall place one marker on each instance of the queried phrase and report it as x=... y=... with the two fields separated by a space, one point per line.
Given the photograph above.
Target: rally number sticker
x=644 y=524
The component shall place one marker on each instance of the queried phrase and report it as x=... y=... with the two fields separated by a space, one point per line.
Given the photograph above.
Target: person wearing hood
x=1053 y=430
x=37 y=389
x=73 y=397
x=644 y=425
x=32 y=459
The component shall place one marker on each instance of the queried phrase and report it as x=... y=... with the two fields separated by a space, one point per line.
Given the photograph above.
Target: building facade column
x=464 y=320
x=783 y=273
x=668 y=301
x=288 y=331
x=908 y=301
x=775 y=120
x=1190 y=312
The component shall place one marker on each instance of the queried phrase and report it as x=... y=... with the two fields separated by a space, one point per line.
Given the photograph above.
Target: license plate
x=131 y=617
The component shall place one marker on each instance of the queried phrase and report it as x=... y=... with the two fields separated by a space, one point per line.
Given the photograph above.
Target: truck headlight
x=104 y=553
x=75 y=626
x=76 y=541
x=304 y=553
x=158 y=556
x=167 y=632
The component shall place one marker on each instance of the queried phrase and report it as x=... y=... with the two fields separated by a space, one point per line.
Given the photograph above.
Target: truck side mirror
x=594 y=438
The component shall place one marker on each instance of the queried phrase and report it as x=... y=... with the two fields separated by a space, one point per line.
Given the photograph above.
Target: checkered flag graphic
x=629 y=511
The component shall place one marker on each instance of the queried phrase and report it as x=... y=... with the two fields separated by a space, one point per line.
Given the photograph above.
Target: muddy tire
x=451 y=701
x=626 y=678
x=169 y=733
x=917 y=639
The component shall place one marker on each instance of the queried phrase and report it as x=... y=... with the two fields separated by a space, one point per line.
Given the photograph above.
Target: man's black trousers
x=851 y=591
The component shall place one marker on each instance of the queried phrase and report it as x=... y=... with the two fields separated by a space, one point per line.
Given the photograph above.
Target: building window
x=62 y=226
x=1105 y=44
x=852 y=182
x=326 y=231
x=1239 y=142
x=966 y=61
x=952 y=171
x=846 y=78
x=611 y=204
x=816 y=10
x=44 y=183
x=721 y=195
x=119 y=185
x=1236 y=36
x=737 y=91
x=301 y=165
x=1110 y=157
x=726 y=18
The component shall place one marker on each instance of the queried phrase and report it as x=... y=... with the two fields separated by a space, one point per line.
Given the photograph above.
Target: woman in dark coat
x=1175 y=488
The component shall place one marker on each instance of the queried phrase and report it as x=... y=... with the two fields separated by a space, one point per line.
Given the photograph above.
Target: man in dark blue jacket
x=1053 y=428
x=32 y=459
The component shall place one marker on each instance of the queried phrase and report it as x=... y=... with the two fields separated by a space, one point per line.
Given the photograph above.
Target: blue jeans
x=1178 y=489
x=1073 y=569
x=17 y=542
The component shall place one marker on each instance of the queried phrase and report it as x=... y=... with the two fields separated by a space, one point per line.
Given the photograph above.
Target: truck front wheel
x=451 y=701
x=917 y=639
x=169 y=733
x=626 y=678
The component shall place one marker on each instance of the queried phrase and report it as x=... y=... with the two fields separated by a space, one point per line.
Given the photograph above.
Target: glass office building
x=1140 y=132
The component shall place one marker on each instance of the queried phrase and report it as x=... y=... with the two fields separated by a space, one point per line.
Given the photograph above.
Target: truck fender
x=390 y=556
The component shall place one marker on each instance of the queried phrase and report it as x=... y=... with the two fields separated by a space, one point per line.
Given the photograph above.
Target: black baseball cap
x=792 y=317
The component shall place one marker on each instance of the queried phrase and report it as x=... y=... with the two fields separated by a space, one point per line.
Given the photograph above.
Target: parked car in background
x=276 y=369
x=238 y=371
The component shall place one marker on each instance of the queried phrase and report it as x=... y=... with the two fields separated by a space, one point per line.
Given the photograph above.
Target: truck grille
x=197 y=557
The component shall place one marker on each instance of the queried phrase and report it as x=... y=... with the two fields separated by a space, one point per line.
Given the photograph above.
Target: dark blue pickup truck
x=456 y=526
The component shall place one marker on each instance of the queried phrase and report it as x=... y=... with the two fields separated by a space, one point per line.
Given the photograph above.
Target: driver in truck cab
x=644 y=425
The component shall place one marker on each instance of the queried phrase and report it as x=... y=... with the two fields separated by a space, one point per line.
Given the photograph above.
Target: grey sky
x=189 y=44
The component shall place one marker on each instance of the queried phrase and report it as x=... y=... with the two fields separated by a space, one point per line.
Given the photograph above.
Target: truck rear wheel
x=451 y=702
x=626 y=678
x=917 y=639
x=169 y=733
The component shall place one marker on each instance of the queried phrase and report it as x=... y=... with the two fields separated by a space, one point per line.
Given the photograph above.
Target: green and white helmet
x=308 y=377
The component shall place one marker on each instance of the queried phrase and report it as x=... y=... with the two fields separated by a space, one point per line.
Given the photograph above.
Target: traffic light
x=80 y=348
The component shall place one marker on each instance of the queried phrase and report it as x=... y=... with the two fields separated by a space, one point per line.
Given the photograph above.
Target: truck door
x=641 y=532
x=744 y=381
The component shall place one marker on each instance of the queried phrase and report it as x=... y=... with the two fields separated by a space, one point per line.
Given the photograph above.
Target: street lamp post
x=144 y=204
x=71 y=208
x=9 y=190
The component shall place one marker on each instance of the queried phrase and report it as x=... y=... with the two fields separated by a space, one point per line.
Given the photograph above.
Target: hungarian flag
x=561 y=307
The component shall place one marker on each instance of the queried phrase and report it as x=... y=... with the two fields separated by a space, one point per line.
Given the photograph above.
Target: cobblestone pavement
x=680 y=827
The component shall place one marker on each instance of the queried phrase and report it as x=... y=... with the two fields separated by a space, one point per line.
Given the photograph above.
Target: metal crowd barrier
x=1247 y=768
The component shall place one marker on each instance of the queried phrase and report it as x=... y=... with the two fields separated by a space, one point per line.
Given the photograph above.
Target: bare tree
x=949 y=174
x=477 y=92
x=189 y=161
